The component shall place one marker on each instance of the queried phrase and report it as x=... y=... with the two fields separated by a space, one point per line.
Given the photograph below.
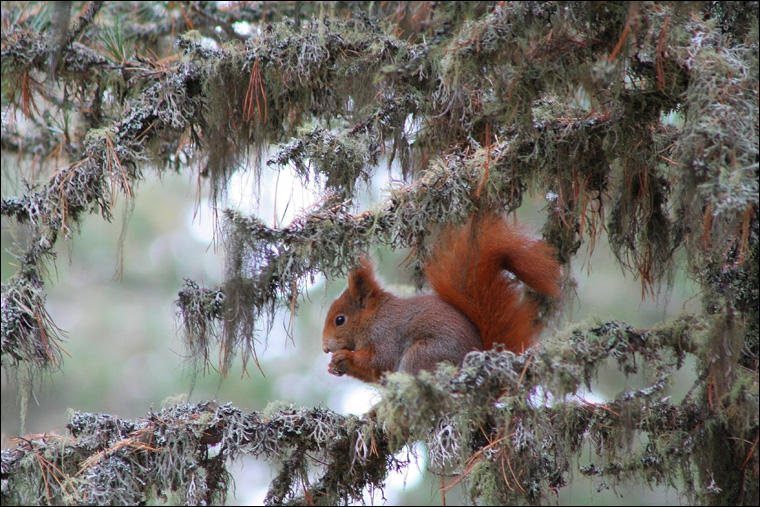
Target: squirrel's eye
x=340 y=320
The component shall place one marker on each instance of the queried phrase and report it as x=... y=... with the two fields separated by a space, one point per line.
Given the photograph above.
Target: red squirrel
x=476 y=304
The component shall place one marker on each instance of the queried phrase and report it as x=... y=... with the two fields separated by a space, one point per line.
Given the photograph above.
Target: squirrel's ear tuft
x=362 y=283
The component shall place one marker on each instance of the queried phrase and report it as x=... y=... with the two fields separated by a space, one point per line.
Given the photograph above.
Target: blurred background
x=125 y=356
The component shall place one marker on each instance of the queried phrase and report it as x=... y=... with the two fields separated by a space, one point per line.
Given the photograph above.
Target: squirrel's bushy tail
x=468 y=271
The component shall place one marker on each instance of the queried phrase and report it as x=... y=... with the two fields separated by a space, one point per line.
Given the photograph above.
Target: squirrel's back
x=430 y=331
x=467 y=270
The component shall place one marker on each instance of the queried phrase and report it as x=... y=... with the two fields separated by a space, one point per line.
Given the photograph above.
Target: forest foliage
x=638 y=121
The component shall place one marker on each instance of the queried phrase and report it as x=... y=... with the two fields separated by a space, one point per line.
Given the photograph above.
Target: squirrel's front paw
x=340 y=362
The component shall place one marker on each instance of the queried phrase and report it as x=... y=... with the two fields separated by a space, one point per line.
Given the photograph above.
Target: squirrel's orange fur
x=476 y=271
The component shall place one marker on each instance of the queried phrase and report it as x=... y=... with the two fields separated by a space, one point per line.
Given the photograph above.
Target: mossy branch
x=485 y=418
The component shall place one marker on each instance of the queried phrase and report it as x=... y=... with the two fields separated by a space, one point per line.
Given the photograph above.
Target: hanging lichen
x=636 y=120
